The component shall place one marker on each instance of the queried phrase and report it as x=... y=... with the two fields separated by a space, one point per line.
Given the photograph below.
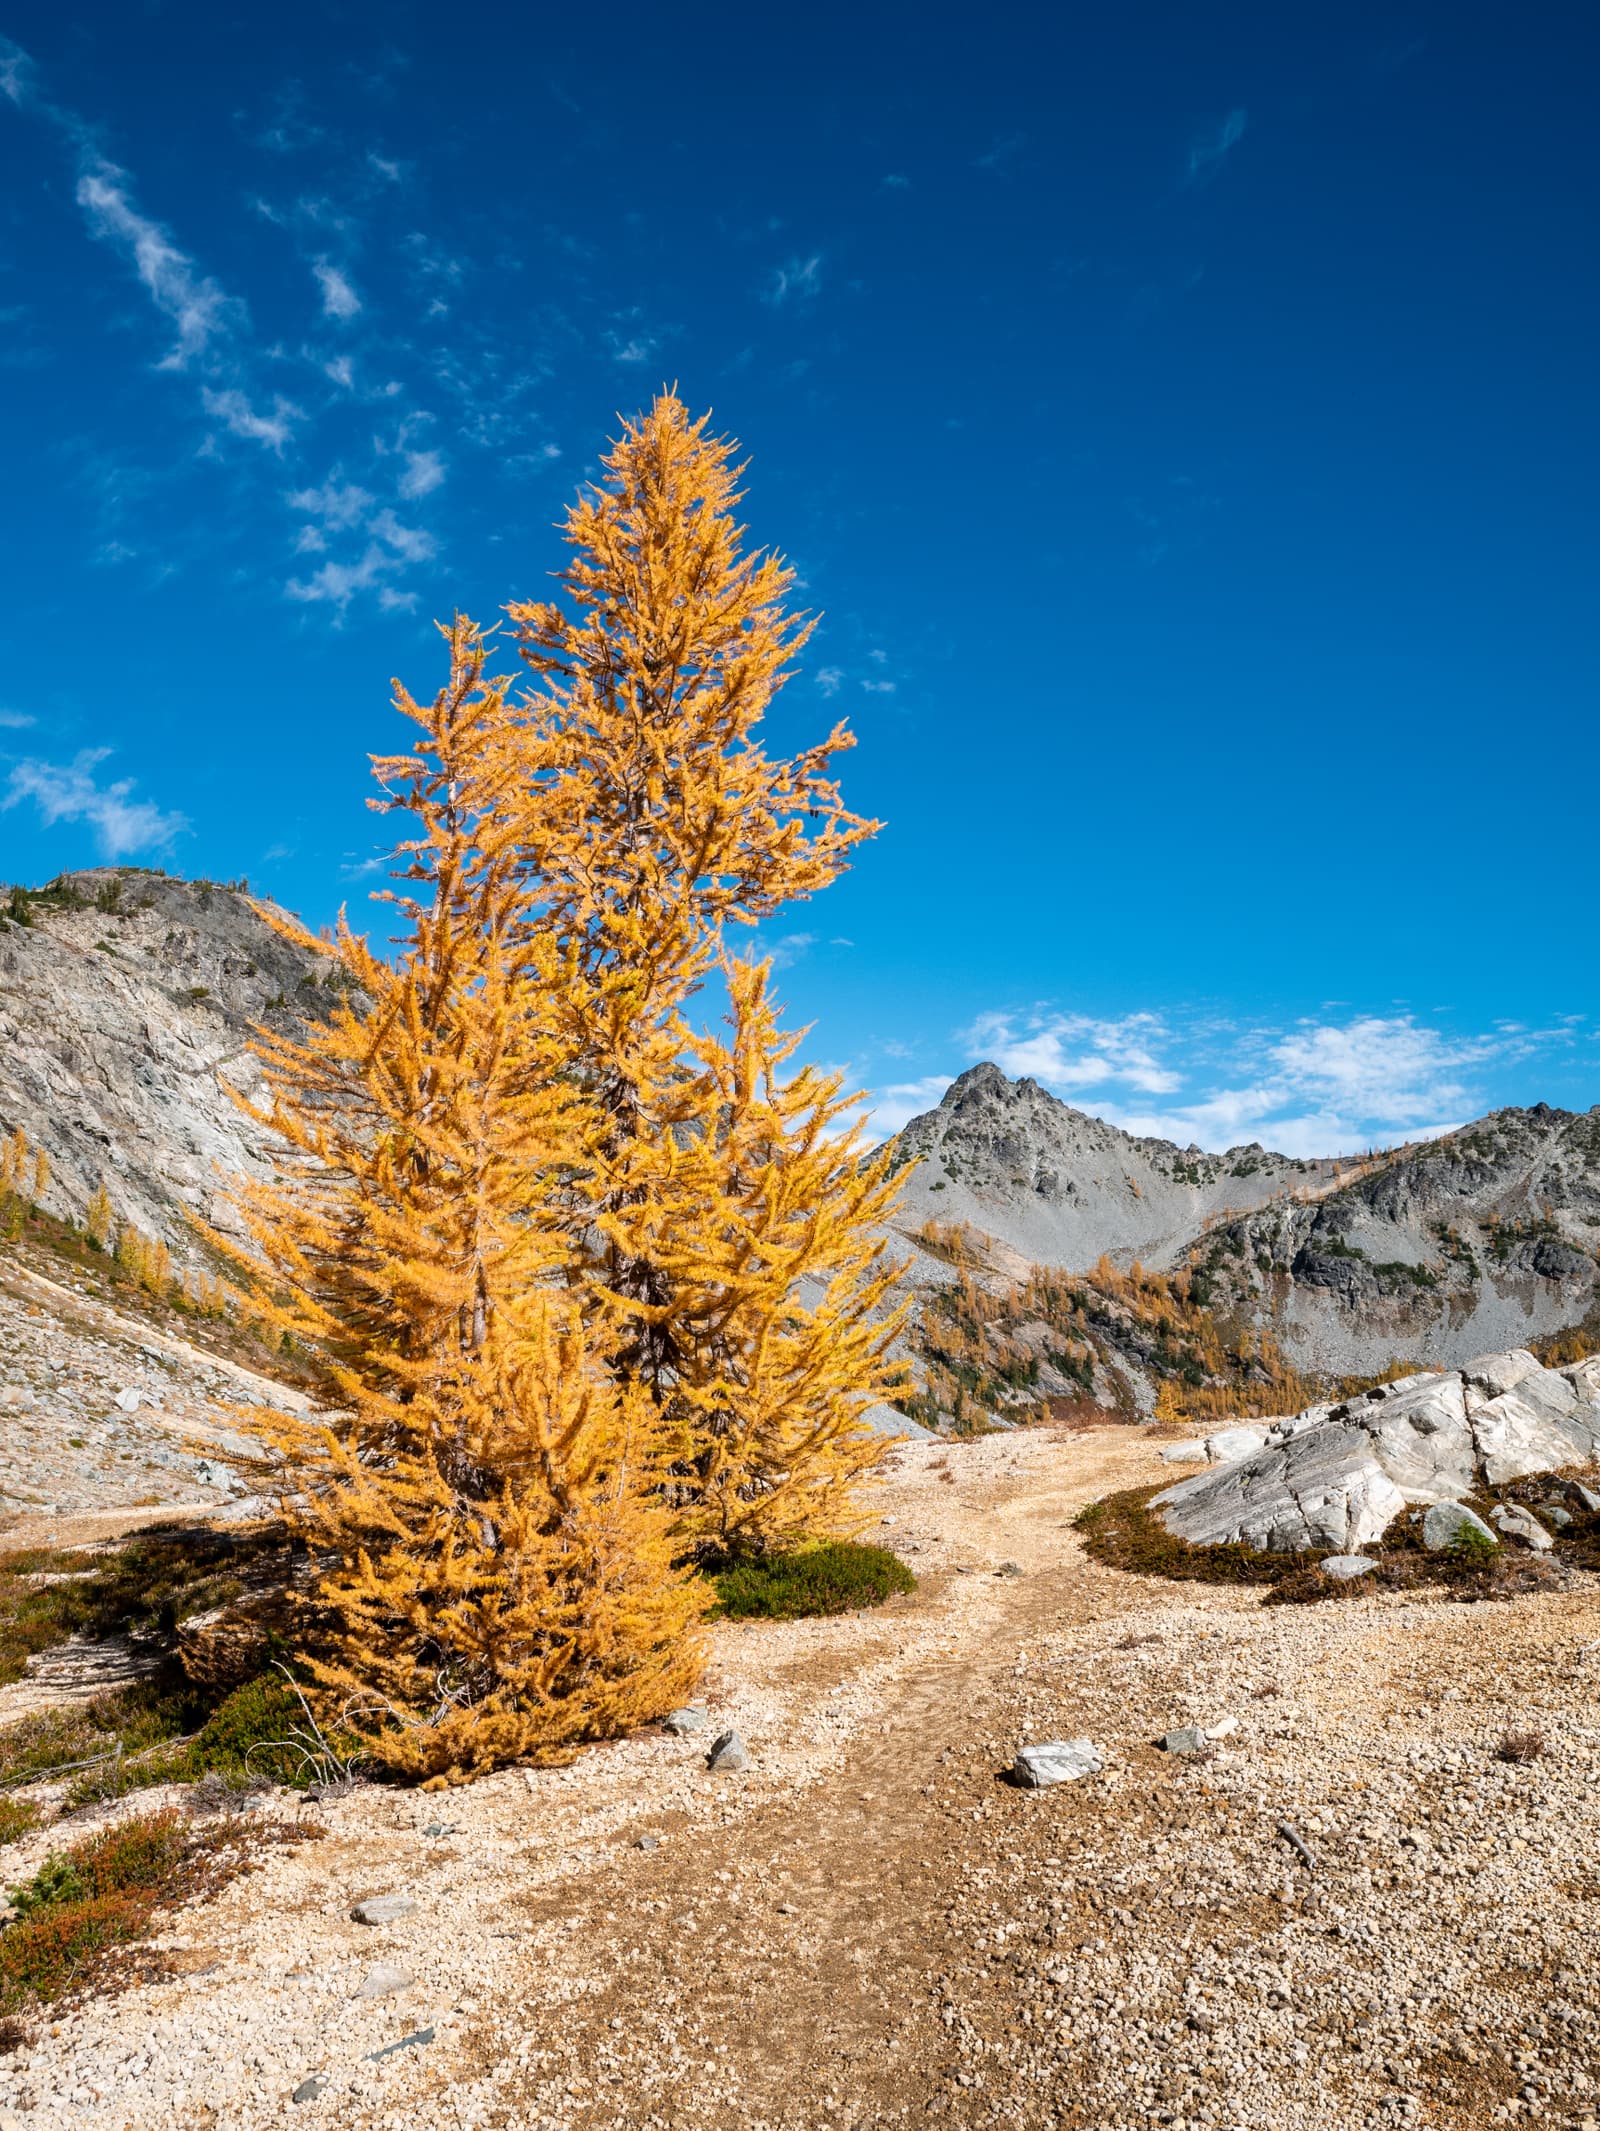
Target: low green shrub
x=840 y=1578
x=17 y=1816
x=245 y=1739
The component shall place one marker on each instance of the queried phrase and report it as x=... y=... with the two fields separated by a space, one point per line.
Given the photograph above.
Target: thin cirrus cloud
x=1212 y=145
x=209 y=340
x=339 y=299
x=233 y=410
x=795 y=280
x=1320 y=1088
x=70 y=792
x=200 y=310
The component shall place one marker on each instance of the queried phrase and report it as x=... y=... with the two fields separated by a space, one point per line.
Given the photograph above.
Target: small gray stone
x=1521 y=1524
x=1555 y=1513
x=311 y=2089
x=1342 y=1567
x=1452 y=1524
x=1055 y=1761
x=383 y=1981
x=383 y=1909
x=683 y=1721
x=1009 y=1568
x=1188 y=1740
x=729 y=1752
x=648 y=1842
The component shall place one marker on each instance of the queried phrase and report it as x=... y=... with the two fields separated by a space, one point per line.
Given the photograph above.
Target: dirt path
x=869 y=1929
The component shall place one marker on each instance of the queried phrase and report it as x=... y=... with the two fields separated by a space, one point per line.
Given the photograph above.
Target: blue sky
x=1183 y=416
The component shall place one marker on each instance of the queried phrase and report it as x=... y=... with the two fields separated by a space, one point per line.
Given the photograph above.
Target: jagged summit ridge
x=1063 y=1188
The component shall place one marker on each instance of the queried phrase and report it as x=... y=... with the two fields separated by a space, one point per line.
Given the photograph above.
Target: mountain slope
x=126 y=1001
x=1436 y=1252
x=1063 y=1188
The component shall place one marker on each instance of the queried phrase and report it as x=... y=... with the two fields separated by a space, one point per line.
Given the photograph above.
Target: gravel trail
x=869 y=1928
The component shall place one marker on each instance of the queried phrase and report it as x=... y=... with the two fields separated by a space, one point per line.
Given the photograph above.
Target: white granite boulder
x=1321 y=1489
x=1338 y=1476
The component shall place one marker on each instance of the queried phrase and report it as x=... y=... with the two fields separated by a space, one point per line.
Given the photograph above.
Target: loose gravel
x=872 y=1926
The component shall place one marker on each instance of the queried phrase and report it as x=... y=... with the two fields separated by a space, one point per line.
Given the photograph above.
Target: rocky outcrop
x=126 y=1006
x=1338 y=1475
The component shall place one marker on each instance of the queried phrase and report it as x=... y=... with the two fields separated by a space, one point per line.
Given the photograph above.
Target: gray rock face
x=1521 y=1525
x=1055 y=1761
x=1338 y=1476
x=383 y=1909
x=1321 y=1489
x=121 y=1028
x=729 y=1752
x=1061 y=1187
x=1452 y=1524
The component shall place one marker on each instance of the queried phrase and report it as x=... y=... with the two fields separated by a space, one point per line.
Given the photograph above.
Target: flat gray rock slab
x=1343 y=1568
x=1450 y=1524
x=1055 y=1761
x=311 y=2089
x=383 y=1981
x=684 y=1721
x=729 y=1752
x=1520 y=1524
x=383 y=1909
x=1323 y=1488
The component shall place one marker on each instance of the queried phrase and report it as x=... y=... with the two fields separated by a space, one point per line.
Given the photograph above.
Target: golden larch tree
x=502 y=1578
x=724 y=1228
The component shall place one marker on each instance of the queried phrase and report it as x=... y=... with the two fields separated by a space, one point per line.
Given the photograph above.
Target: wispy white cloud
x=782 y=952
x=70 y=792
x=391 y=548
x=194 y=303
x=1212 y=144
x=1320 y=1088
x=16 y=72
x=16 y=720
x=232 y=408
x=896 y=1105
x=1076 y=1051
x=795 y=280
x=830 y=679
x=424 y=473
x=339 y=299
x=338 y=503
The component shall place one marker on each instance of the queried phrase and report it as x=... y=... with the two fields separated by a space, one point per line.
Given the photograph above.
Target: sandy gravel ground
x=868 y=1928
